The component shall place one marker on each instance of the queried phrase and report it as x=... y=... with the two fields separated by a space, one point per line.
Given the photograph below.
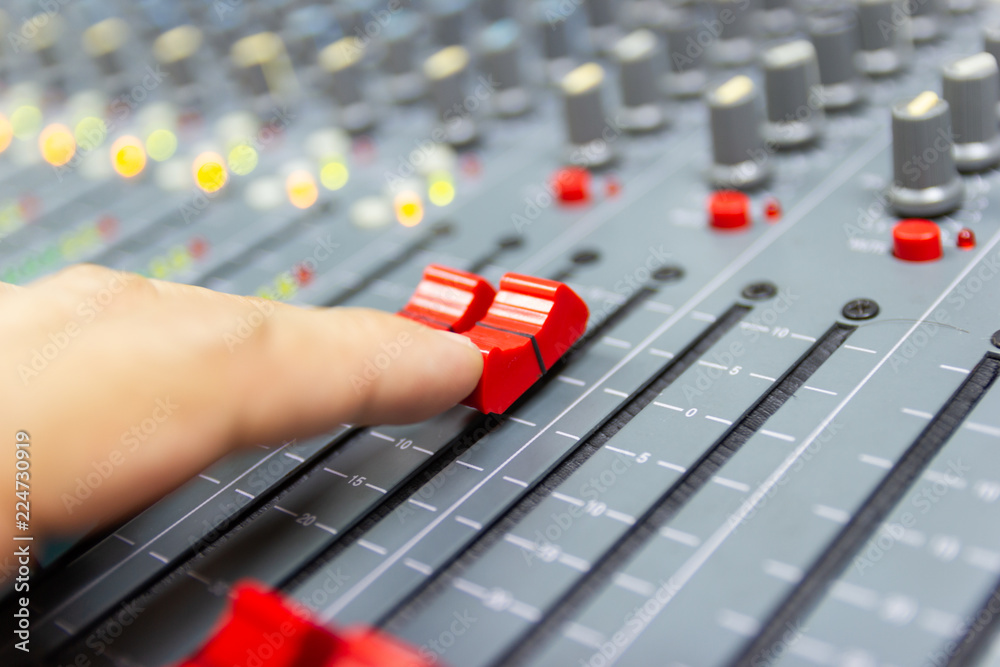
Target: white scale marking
x=429 y=508
x=334 y=472
x=671 y=466
x=382 y=436
x=741 y=624
x=583 y=635
x=860 y=349
x=731 y=483
x=619 y=450
x=572 y=381
x=983 y=428
x=515 y=481
x=375 y=488
x=762 y=377
x=475 y=525
x=523 y=421
x=323 y=526
x=285 y=511
x=159 y=557
x=568 y=435
x=808 y=339
x=917 y=413
x=956 y=369
x=568 y=499
x=782 y=571
x=634 y=584
x=661 y=353
x=616 y=342
x=422 y=568
x=124 y=539
x=680 y=536
x=422 y=450
x=754 y=327
x=702 y=317
x=658 y=307
x=821 y=391
x=381 y=551
x=244 y=493
x=719 y=419
x=615 y=392
x=668 y=406
x=469 y=465
x=709 y=364
x=620 y=516
x=777 y=435
x=209 y=479
x=876 y=461
x=831 y=514
x=295 y=457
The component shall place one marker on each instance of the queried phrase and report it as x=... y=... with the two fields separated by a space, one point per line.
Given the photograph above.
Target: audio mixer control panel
x=774 y=436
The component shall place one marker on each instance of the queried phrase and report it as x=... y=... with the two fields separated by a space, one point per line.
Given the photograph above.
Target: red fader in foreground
x=521 y=330
x=261 y=629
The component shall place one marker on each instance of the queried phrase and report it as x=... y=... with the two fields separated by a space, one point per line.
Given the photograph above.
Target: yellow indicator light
x=242 y=159
x=209 y=173
x=6 y=133
x=409 y=209
x=334 y=175
x=90 y=133
x=301 y=188
x=26 y=121
x=161 y=145
x=57 y=144
x=441 y=193
x=128 y=156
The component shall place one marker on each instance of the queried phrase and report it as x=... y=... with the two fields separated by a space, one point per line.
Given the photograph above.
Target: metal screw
x=665 y=273
x=759 y=291
x=860 y=309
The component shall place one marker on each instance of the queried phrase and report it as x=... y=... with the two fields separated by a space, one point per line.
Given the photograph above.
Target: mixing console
x=777 y=441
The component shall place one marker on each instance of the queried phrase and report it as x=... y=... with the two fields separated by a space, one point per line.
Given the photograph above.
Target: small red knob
x=728 y=209
x=916 y=240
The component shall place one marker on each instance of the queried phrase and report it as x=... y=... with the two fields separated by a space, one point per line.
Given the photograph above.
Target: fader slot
x=615 y=561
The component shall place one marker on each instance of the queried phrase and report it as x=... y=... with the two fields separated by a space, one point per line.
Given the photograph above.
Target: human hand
x=171 y=377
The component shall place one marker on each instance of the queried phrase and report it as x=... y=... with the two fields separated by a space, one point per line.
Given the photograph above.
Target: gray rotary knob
x=929 y=17
x=446 y=72
x=638 y=56
x=886 y=37
x=405 y=82
x=972 y=90
x=925 y=181
x=586 y=124
x=499 y=51
x=550 y=24
x=686 y=76
x=732 y=28
x=341 y=62
x=794 y=99
x=778 y=18
x=448 y=21
x=602 y=17
x=835 y=38
x=739 y=158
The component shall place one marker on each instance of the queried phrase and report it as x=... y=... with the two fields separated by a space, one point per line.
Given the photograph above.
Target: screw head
x=996 y=339
x=586 y=257
x=759 y=291
x=668 y=273
x=860 y=309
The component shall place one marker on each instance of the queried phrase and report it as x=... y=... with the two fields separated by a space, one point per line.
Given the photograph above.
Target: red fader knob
x=916 y=240
x=531 y=324
x=284 y=637
x=449 y=299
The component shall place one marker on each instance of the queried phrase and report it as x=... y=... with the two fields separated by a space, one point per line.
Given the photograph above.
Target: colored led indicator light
x=128 y=158
x=242 y=159
x=301 y=188
x=334 y=175
x=161 y=145
x=441 y=192
x=6 y=133
x=209 y=173
x=90 y=133
x=25 y=121
x=772 y=210
x=966 y=239
x=303 y=274
x=57 y=144
x=197 y=247
x=612 y=187
x=107 y=226
x=409 y=209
